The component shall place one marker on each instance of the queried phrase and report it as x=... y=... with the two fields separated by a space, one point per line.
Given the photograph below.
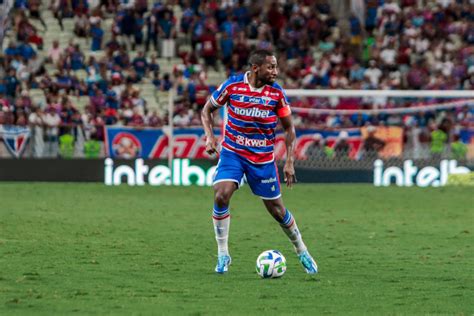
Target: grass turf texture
x=88 y=248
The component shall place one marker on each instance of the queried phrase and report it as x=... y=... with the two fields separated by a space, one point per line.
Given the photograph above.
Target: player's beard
x=267 y=80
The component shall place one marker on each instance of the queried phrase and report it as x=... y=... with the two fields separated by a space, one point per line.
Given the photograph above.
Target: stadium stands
x=78 y=48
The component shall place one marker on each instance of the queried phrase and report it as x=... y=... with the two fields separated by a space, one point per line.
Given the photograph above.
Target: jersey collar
x=252 y=89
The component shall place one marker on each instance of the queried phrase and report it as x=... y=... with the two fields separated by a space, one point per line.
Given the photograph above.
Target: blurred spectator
x=36 y=123
x=439 y=138
x=12 y=84
x=458 y=149
x=209 y=48
x=167 y=34
x=318 y=150
x=140 y=64
x=81 y=25
x=51 y=121
x=374 y=74
x=54 y=53
x=97 y=34
x=154 y=120
x=152 y=27
x=342 y=147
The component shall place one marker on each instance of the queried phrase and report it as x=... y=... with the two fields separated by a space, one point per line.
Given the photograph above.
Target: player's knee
x=222 y=198
x=279 y=212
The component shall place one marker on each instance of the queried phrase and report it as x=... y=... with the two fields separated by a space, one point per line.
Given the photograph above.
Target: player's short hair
x=257 y=57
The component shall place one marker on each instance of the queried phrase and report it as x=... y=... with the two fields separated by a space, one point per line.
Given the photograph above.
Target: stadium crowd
x=404 y=44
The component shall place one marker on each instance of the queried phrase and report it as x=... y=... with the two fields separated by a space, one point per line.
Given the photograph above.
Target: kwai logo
x=253 y=112
x=244 y=141
x=183 y=174
x=410 y=175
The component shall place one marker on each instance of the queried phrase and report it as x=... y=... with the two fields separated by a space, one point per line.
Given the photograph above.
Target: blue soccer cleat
x=223 y=263
x=308 y=262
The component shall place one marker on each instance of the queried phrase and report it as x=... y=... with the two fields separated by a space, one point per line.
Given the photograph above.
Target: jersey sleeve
x=283 y=107
x=220 y=96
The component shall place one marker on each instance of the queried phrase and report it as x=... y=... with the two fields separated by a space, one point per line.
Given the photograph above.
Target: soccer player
x=254 y=102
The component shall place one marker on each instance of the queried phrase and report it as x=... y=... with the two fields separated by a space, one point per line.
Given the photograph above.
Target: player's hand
x=211 y=145
x=289 y=171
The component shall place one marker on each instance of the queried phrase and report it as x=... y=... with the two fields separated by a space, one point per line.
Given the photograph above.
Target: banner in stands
x=129 y=143
x=14 y=139
x=393 y=138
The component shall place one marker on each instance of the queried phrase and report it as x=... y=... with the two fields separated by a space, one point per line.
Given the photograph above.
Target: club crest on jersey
x=266 y=100
x=15 y=139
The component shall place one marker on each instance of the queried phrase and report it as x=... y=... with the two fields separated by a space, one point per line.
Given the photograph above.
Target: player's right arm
x=218 y=99
x=207 y=123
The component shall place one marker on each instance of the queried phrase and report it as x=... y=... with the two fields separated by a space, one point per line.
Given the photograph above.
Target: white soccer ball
x=271 y=264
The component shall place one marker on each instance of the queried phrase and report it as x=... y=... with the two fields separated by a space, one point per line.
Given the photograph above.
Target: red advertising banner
x=124 y=142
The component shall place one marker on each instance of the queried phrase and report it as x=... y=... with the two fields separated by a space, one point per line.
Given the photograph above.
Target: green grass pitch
x=91 y=249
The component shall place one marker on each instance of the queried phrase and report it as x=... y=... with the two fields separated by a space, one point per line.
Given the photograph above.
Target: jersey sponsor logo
x=249 y=142
x=253 y=112
x=256 y=100
x=262 y=100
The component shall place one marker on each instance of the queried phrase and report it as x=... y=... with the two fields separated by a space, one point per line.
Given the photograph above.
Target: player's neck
x=254 y=82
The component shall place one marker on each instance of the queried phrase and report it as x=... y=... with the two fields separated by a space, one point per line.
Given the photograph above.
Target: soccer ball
x=271 y=264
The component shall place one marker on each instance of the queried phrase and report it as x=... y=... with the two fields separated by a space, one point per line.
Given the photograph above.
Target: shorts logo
x=253 y=112
x=244 y=141
x=269 y=180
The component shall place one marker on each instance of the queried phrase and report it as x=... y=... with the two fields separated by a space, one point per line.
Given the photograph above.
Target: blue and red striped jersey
x=252 y=116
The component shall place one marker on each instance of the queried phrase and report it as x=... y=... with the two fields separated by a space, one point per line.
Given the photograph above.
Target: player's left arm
x=290 y=140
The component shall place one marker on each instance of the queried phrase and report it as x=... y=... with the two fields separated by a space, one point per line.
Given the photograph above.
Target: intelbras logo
x=183 y=174
x=410 y=175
